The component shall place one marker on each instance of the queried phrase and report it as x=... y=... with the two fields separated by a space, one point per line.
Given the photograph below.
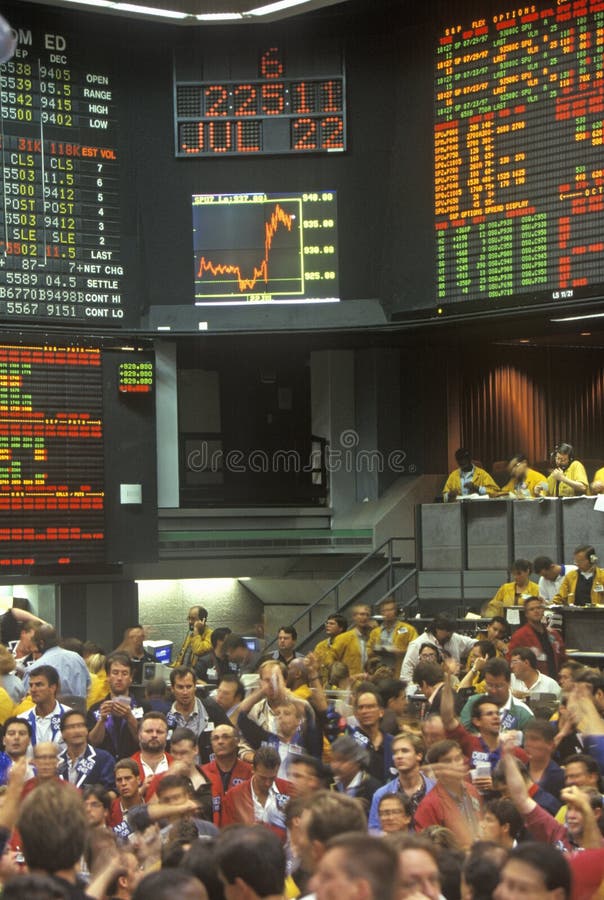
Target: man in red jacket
x=261 y=799
x=546 y=642
x=225 y=771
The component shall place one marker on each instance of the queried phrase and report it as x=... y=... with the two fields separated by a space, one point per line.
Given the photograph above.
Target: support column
x=333 y=418
x=168 y=496
x=98 y=611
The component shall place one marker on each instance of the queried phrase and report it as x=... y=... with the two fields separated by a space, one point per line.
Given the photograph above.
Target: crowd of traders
x=384 y=764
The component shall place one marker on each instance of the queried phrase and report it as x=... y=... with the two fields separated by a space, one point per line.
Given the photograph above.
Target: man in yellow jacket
x=585 y=585
x=569 y=478
x=198 y=640
x=597 y=485
x=524 y=482
x=468 y=479
x=390 y=640
x=351 y=647
x=335 y=625
x=515 y=592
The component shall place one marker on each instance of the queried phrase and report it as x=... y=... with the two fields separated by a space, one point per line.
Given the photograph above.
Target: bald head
x=296 y=672
x=225 y=742
x=45 y=637
x=45 y=760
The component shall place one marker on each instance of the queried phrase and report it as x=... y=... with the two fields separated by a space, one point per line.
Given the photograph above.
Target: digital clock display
x=274 y=107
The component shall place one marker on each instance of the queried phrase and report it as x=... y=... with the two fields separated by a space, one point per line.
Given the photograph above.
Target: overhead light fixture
x=150 y=11
x=599 y=315
x=275 y=7
x=90 y=2
x=135 y=8
x=218 y=17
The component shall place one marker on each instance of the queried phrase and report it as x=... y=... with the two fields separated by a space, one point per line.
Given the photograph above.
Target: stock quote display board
x=59 y=215
x=257 y=100
x=519 y=162
x=51 y=457
x=259 y=248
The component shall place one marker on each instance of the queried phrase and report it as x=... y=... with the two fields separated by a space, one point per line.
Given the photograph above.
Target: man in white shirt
x=261 y=798
x=551 y=576
x=526 y=677
x=442 y=634
x=45 y=717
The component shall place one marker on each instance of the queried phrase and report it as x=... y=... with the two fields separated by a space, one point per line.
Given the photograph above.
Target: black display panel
x=491 y=201
x=51 y=456
x=265 y=248
x=77 y=424
x=60 y=231
x=518 y=169
x=259 y=99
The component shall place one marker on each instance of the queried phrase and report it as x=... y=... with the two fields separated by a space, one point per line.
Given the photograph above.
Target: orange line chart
x=248 y=247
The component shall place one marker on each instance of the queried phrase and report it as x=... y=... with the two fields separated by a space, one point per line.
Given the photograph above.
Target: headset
x=589 y=552
x=563 y=447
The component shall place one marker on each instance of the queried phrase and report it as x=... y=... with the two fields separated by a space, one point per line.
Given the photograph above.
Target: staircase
x=377 y=575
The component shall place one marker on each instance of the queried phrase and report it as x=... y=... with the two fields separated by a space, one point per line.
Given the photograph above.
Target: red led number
x=318 y=134
x=271 y=65
x=332 y=133
x=244 y=96
x=273 y=100
x=331 y=96
x=304 y=134
x=217 y=100
x=303 y=100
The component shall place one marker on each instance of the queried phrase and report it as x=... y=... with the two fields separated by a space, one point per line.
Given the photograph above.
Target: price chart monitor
x=265 y=248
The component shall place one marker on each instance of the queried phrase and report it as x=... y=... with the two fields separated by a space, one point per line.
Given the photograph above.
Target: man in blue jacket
x=407 y=756
x=80 y=763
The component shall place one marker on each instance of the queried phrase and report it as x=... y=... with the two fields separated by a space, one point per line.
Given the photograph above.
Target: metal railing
x=336 y=598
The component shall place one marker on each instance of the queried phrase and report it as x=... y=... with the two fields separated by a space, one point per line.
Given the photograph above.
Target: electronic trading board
x=59 y=215
x=273 y=100
x=518 y=153
x=51 y=456
x=259 y=248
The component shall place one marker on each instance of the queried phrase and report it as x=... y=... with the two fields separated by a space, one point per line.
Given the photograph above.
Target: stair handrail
x=345 y=577
x=312 y=632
